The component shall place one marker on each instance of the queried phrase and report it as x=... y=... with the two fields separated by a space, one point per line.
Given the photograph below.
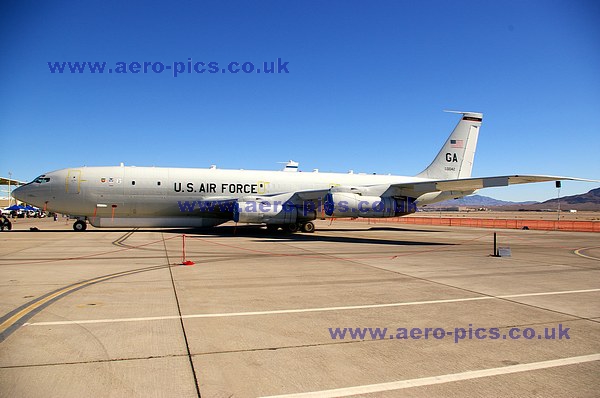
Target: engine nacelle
x=264 y=211
x=343 y=204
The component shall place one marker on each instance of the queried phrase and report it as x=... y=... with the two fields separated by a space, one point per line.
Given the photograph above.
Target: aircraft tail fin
x=455 y=159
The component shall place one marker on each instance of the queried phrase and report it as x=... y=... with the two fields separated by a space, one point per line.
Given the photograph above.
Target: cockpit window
x=41 y=179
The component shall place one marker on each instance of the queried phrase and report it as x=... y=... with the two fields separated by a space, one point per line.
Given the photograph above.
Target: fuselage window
x=132 y=182
x=158 y=183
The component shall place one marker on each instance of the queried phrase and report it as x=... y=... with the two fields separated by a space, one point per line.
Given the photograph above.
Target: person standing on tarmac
x=5 y=224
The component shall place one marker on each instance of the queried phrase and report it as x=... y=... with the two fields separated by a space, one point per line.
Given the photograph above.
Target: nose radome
x=30 y=194
x=20 y=193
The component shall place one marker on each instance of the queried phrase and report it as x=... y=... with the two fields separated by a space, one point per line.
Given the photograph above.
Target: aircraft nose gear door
x=73 y=181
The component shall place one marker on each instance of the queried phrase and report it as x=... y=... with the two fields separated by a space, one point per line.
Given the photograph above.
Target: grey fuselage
x=152 y=196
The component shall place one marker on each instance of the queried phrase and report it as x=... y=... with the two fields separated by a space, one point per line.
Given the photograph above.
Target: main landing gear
x=307 y=227
x=80 y=225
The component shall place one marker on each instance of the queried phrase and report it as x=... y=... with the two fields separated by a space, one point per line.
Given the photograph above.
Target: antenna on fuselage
x=290 y=166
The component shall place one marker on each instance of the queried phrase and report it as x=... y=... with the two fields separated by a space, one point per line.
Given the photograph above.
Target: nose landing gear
x=80 y=225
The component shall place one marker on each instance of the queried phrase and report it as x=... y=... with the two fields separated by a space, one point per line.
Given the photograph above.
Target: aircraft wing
x=470 y=184
x=313 y=194
x=415 y=189
x=409 y=189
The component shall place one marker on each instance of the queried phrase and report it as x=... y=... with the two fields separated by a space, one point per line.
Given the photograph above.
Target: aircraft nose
x=20 y=193
x=31 y=194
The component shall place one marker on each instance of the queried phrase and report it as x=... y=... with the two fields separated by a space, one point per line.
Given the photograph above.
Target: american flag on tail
x=456 y=143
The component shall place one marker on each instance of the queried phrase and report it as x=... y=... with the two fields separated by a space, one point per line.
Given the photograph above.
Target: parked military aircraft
x=191 y=197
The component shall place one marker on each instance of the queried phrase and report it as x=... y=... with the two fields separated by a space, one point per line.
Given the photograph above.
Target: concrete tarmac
x=112 y=313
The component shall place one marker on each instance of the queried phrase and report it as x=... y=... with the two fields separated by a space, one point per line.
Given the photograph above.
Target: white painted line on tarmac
x=549 y=293
x=447 y=378
x=252 y=313
x=302 y=310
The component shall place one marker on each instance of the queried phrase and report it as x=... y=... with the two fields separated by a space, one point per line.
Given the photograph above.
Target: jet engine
x=272 y=212
x=346 y=204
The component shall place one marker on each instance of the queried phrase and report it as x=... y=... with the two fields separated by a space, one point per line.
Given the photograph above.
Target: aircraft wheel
x=308 y=227
x=272 y=227
x=292 y=227
x=80 y=225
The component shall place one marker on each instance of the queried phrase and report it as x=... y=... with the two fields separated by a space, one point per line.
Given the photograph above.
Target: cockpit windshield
x=41 y=179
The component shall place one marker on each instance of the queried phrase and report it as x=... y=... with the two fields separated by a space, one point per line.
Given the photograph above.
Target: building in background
x=6 y=187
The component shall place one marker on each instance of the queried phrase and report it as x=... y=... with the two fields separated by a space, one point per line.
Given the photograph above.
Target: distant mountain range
x=587 y=201
x=477 y=201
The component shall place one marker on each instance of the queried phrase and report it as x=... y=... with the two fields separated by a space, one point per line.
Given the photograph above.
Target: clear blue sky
x=366 y=86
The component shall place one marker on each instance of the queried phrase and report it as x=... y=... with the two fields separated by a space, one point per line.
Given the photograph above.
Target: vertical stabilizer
x=455 y=159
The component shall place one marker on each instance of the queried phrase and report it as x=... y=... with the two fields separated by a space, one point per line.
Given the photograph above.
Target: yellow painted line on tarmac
x=120 y=241
x=37 y=304
x=580 y=254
